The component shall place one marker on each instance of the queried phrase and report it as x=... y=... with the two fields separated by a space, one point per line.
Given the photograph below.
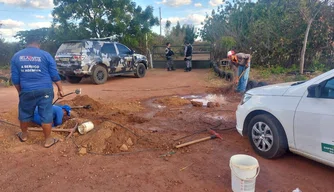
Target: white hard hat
x=230 y=53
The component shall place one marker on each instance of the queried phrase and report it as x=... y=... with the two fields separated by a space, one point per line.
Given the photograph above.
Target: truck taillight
x=78 y=57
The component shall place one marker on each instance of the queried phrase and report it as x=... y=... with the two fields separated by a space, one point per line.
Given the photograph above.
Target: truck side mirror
x=314 y=91
x=132 y=52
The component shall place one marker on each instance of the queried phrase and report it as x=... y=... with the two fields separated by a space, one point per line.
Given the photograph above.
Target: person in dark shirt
x=188 y=52
x=169 y=56
x=33 y=72
x=59 y=113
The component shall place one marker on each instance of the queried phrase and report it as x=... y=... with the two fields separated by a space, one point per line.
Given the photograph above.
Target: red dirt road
x=30 y=167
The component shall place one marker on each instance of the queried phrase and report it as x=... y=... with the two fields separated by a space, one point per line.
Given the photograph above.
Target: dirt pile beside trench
x=113 y=131
x=107 y=138
x=172 y=101
x=112 y=126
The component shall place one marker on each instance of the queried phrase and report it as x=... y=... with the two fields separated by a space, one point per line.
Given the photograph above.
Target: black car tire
x=261 y=83
x=267 y=136
x=251 y=84
x=229 y=76
x=73 y=79
x=99 y=74
x=222 y=74
x=215 y=69
x=140 y=70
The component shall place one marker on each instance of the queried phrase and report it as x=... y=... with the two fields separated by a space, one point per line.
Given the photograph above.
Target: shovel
x=77 y=91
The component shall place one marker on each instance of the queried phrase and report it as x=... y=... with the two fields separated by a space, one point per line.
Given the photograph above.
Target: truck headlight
x=245 y=98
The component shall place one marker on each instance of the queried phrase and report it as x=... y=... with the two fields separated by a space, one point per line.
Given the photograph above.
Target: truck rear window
x=66 y=48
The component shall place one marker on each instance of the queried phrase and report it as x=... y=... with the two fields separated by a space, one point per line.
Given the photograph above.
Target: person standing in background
x=188 y=52
x=169 y=56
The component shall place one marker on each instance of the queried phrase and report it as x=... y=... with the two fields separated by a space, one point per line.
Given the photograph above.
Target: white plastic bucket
x=244 y=170
x=85 y=127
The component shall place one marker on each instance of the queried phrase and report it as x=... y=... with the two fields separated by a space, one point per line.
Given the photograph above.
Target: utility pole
x=160 y=19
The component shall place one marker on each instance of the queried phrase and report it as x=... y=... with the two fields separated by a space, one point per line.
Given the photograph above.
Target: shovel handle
x=56 y=130
x=63 y=97
x=196 y=141
x=242 y=74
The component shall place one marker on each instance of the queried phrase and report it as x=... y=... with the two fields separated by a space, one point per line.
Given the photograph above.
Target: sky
x=18 y=15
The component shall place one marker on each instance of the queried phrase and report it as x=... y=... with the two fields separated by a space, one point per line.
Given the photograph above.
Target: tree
x=177 y=28
x=105 y=18
x=176 y=35
x=167 y=27
x=190 y=34
x=309 y=10
x=271 y=31
x=45 y=34
x=42 y=33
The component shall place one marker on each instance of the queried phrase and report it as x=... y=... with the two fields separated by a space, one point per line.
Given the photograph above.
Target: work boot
x=173 y=69
x=189 y=68
x=186 y=70
x=168 y=69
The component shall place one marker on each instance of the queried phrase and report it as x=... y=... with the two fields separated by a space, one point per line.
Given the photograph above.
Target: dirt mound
x=107 y=138
x=172 y=101
x=81 y=100
x=109 y=134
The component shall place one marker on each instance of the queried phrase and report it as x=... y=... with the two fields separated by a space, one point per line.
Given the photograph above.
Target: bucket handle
x=257 y=173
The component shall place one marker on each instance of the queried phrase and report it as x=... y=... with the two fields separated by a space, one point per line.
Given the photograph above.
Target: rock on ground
x=197 y=104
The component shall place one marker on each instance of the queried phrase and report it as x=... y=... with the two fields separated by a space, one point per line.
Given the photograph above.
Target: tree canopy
x=121 y=19
x=178 y=34
x=273 y=31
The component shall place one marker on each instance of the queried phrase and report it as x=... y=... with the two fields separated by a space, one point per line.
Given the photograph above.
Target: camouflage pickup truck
x=98 y=59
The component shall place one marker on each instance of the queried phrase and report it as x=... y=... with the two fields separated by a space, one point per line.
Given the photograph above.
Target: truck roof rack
x=100 y=39
x=113 y=38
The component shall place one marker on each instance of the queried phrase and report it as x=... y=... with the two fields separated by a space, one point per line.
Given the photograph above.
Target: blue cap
x=67 y=109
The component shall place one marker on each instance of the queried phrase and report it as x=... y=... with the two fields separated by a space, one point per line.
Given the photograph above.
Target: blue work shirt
x=33 y=69
x=57 y=116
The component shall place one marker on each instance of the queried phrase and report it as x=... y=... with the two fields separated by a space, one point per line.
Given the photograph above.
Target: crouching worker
x=59 y=113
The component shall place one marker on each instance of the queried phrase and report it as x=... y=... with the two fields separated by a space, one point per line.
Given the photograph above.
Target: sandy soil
x=152 y=117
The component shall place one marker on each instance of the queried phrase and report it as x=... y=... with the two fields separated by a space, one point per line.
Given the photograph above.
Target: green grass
x=2 y=66
x=7 y=83
x=296 y=78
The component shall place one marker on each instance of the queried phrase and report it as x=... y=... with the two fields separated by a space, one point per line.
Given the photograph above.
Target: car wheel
x=222 y=74
x=250 y=85
x=229 y=76
x=73 y=79
x=140 y=70
x=261 y=83
x=267 y=136
x=99 y=74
